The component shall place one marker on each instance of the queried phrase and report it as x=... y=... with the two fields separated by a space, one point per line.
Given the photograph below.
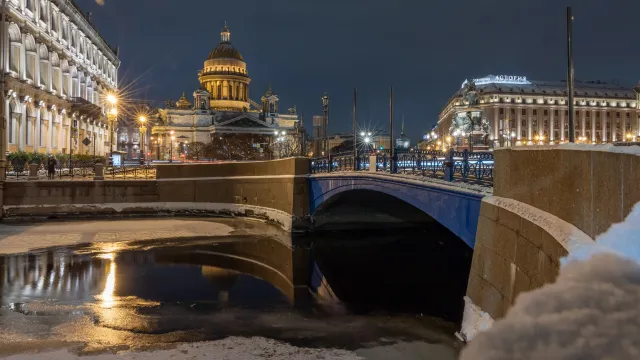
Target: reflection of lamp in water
x=223 y=279
x=107 y=295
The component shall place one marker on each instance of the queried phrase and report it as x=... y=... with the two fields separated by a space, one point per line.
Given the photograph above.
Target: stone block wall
x=279 y=185
x=512 y=254
x=591 y=188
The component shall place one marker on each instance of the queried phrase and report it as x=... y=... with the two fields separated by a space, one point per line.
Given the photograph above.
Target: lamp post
x=112 y=116
x=171 y=146
x=3 y=135
x=325 y=108
x=143 y=130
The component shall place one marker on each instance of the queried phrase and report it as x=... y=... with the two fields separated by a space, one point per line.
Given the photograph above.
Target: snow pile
x=474 y=320
x=230 y=348
x=632 y=149
x=591 y=312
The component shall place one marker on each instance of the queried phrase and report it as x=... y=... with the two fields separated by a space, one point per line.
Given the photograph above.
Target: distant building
x=222 y=108
x=59 y=70
x=532 y=111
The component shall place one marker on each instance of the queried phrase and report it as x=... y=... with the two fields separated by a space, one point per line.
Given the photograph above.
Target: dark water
x=333 y=289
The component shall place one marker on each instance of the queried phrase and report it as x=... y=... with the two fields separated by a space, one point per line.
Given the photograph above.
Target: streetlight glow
x=112 y=99
x=143 y=119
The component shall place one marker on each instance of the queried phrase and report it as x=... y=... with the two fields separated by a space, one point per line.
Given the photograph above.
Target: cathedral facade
x=220 y=110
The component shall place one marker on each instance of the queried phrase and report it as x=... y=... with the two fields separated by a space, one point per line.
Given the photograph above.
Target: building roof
x=520 y=85
x=225 y=50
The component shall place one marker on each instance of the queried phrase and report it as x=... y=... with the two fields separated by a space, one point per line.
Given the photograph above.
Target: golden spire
x=402 y=130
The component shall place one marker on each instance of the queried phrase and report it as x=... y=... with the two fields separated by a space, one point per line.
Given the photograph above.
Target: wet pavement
x=244 y=285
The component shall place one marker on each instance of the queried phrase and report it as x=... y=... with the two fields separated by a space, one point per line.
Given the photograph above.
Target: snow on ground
x=633 y=149
x=22 y=238
x=235 y=348
x=590 y=312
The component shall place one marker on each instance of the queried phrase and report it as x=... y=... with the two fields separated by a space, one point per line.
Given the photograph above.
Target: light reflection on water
x=107 y=296
x=115 y=294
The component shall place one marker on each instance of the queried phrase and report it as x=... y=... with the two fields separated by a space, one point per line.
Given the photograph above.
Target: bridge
x=544 y=202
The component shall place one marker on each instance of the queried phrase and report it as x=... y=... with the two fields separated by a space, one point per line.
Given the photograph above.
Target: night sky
x=425 y=49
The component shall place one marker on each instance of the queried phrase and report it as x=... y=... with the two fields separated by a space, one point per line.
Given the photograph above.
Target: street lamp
x=325 y=108
x=112 y=117
x=171 y=146
x=143 y=130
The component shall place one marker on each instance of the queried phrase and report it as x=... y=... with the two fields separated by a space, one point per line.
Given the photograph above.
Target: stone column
x=496 y=121
x=551 y=125
x=519 y=123
x=562 y=124
x=583 y=122
x=529 y=125
x=603 y=118
x=593 y=125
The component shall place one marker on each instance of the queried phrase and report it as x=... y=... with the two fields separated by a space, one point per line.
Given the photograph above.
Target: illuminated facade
x=221 y=105
x=522 y=111
x=58 y=71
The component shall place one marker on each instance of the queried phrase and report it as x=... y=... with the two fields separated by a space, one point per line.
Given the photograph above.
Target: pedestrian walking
x=51 y=168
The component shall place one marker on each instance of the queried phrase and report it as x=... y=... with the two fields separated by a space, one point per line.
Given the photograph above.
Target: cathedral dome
x=225 y=50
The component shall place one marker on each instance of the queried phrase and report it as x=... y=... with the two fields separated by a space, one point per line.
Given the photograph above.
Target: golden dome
x=183 y=103
x=225 y=50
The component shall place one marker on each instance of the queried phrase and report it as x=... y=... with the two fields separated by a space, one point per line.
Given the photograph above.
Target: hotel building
x=526 y=111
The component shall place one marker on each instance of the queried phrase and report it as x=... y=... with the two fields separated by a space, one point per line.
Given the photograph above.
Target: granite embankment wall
x=274 y=190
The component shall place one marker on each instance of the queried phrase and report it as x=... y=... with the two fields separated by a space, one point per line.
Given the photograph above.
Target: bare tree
x=196 y=150
x=240 y=147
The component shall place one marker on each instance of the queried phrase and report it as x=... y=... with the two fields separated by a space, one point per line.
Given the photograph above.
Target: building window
x=555 y=123
x=555 y=134
x=597 y=115
x=524 y=111
x=501 y=111
x=524 y=122
x=535 y=112
x=618 y=115
x=523 y=133
x=534 y=123
x=588 y=114
x=628 y=116
x=566 y=113
x=555 y=112
x=546 y=113
x=546 y=124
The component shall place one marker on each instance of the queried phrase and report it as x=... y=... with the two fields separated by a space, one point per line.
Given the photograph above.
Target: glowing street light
x=112 y=99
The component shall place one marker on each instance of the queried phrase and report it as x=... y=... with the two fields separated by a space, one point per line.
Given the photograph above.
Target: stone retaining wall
x=261 y=189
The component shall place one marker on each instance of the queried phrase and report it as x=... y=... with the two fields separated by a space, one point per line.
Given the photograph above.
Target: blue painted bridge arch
x=456 y=209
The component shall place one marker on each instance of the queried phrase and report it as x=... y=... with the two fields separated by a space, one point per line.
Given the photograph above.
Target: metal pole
x=326 y=124
x=570 y=79
x=3 y=103
x=355 y=136
x=303 y=148
x=392 y=145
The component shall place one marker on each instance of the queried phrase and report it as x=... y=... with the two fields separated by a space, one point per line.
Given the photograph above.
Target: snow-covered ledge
x=567 y=235
x=276 y=217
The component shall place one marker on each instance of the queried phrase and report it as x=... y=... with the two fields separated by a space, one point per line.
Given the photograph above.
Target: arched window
x=43 y=11
x=16 y=44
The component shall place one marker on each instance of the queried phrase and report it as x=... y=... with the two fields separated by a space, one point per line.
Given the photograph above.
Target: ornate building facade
x=221 y=107
x=521 y=111
x=58 y=71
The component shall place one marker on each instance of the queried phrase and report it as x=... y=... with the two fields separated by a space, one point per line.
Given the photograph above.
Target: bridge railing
x=78 y=170
x=463 y=166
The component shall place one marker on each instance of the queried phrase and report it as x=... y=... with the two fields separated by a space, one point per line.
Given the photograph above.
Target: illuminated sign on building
x=500 y=79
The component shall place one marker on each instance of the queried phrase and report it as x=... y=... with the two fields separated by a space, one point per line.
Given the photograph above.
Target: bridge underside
x=367 y=209
x=392 y=201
